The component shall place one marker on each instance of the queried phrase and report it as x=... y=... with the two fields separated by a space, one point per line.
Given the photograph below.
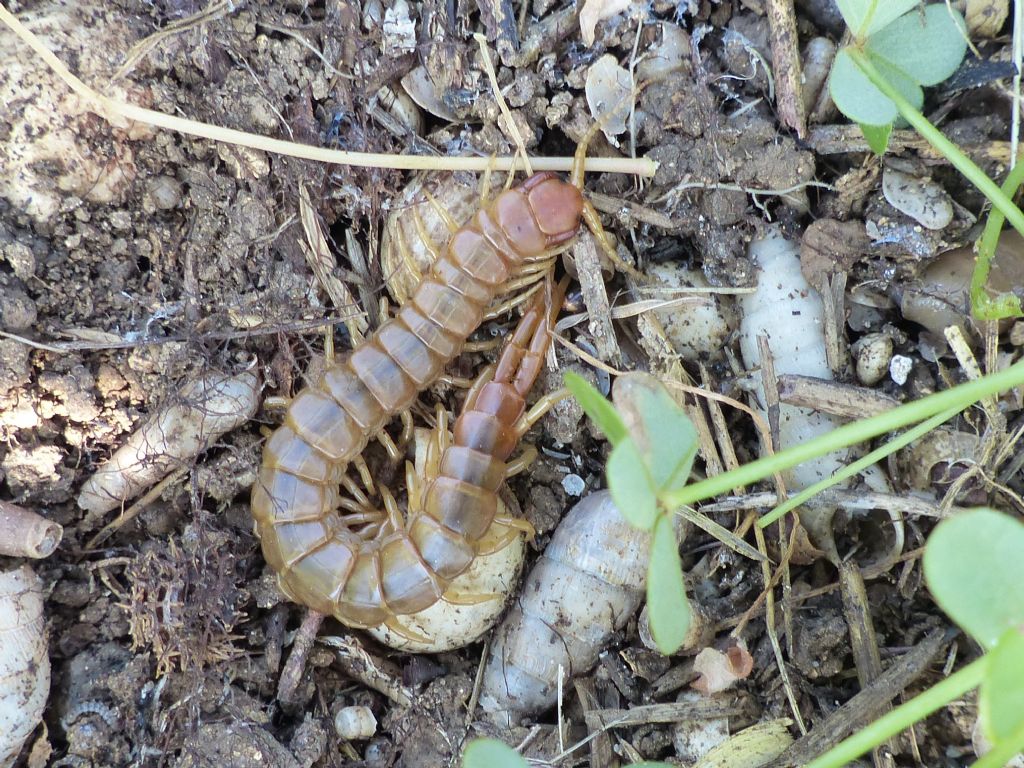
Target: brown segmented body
x=321 y=560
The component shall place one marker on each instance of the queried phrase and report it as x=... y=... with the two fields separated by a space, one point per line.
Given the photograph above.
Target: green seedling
x=897 y=47
x=653 y=450
x=910 y=47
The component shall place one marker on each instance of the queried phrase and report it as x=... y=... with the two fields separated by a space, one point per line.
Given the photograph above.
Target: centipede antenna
x=580 y=156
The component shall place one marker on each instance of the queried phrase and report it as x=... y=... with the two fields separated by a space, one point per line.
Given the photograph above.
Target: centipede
x=325 y=555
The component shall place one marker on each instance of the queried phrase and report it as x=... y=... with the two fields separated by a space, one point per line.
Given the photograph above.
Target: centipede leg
x=459 y=382
x=424 y=235
x=407 y=260
x=539 y=409
x=389 y=445
x=355 y=491
x=593 y=221
x=442 y=213
x=521 y=462
x=486 y=376
x=395 y=519
x=509 y=304
x=408 y=428
x=485 y=183
x=455 y=597
x=481 y=346
x=364 y=473
x=503 y=531
x=405 y=631
x=329 y=345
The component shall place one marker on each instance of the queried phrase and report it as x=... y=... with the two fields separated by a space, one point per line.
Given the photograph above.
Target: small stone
x=21 y=259
x=17 y=310
x=899 y=368
x=162 y=194
x=573 y=485
x=354 y=723
x=873 y=353
x=923 y=200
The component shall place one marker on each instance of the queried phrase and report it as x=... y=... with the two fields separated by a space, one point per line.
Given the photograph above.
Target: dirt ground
x=133 y=260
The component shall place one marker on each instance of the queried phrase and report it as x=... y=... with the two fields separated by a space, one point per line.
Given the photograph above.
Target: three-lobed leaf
x=668 y=610
x=927 y=47
x=909 y=50
x=661 y=429
x=974 y=568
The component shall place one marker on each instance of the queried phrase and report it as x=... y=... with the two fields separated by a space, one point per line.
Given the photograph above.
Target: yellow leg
x=593 y=221
x=424 y=235
x=407 y=260
x=355 y=491
x=405 y=631
x=503 y=531
x=442 y=213
x=485 y=184
x=517 y=524
x=276 y=403
x=389 y=445
x=472 y=346
x=408 y=428
x=454 y=597
x=364 y=474
x=521 y=462
x=359 y=516
x=486 y=375
x=455 y=381
x=541 y=407
x=396 y=521
x=507 y=306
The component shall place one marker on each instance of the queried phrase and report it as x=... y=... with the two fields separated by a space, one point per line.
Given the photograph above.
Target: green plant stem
x=849 y=434
x=903 y=716
x=987 y=307
x=1003 y=752
x=852 y=469
x=947 y=148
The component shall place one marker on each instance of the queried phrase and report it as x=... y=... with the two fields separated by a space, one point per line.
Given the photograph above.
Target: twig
x=120 y=114
x=786 y=58
x=291 y=675
x=866 y=705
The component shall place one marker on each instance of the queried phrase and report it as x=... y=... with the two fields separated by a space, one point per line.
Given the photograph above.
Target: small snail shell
x=24 y=662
